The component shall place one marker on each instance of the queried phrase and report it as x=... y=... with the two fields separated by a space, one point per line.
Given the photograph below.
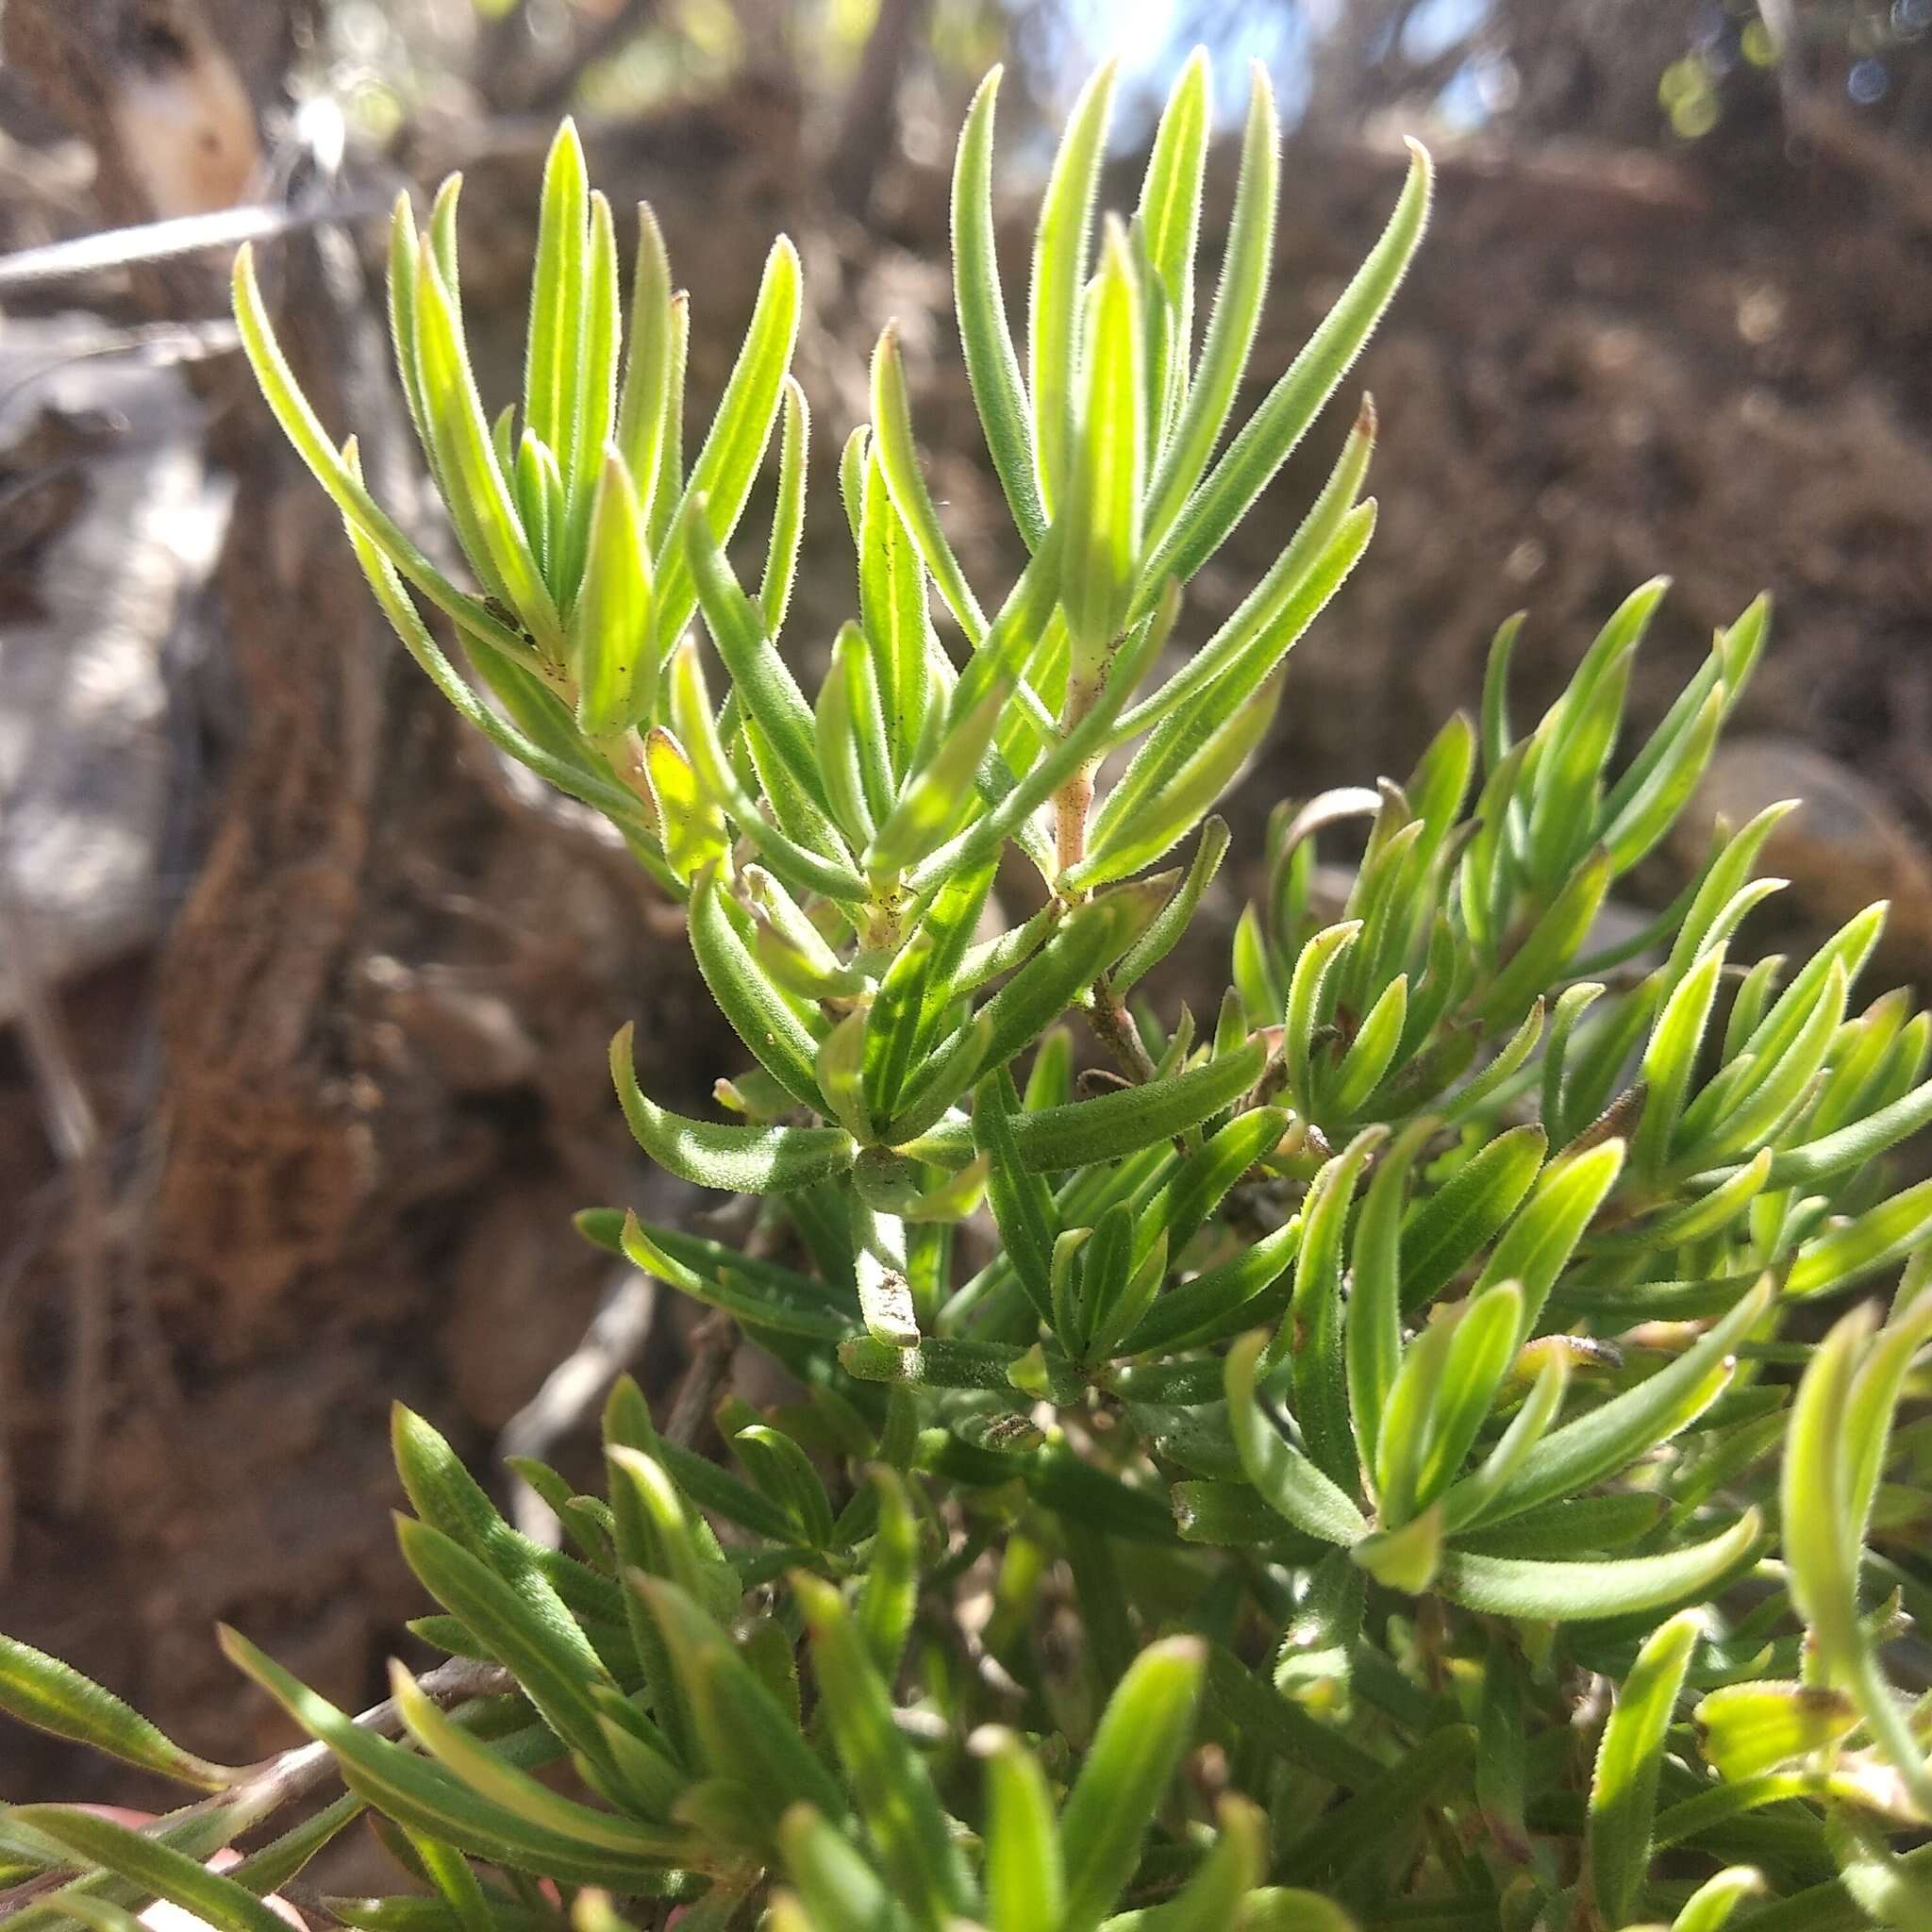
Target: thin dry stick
x=295 y=1773
x=263 y=1789
x=1114 y=1026
x=150 y=241
x=513 y=82
x=35 y=1220
x=713 y=1345
x=74 y=1131
x=612 y=1341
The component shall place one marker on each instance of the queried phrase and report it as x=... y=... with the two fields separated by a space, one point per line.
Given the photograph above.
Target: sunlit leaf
x=1629 y=1762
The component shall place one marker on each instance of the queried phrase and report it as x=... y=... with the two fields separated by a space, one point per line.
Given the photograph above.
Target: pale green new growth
x=1353 y=1455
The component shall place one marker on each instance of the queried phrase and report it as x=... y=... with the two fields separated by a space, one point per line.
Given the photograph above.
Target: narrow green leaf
x=1025 y=1877
x=1371 y=1331
x=1806 y=1165
x=1275 y=429
x=1213 y=1899
x=1544 y=1233
x=1576 y=738
x=538 y=488
x=748 y=1737
x=890 y=1786
x=552 y=1674
x=1470 y=1498
x=1370 y=1054
x=567 y=770
x=758 y=1302
x=1305 y=1010
x=1149 y=1721
x=1085 y=943
x=1846 y=951
x=1729 y=1117
x=941 y=792
x=1709 y=1908
x=1836 y=1445
x=1060 y=274
x=416 y=1792
x=1172 y=783
x=837 y=1882
x=53 y=1697
x=1607 y=1439
x=1748 y=1729
x=728 y=464
x=657 y=1534
x=1404 y=1559
x=1133 y=1118
x=1444 y=1233
x=898 y=463
x=1219 y=1300
x=766 y=1021
x=554 y=346
x=404 y=248
x=939 y=1362
x=1875 y=1240
x=1698 y=1219
x=1670 y=1058
x=895 y=610
x=338 y=477
x=1241 y=656
x=761 y=677
x=643 y=405
x=889 y=1593
x=1169 y=210
x=1022 y=1206
x=1178 y=1212
x=1607 y=1586
x=670 y=484
x=1406 y=1417
x=1104 y=472
x=455 y=1882
x=1539 y=960
x=608 y=636
x=694 y=833
x=1290 y=1482
x=743 y=1160
x=479 y=492
x=593 y=378
x=491 y=1775
x=1480 y=1351
x=1734 y=655
x=1633 y=833
x=1629 y=1760
x=1311 y=1336
x=788 y=513
x=992 y=367
x=838 y=1072
x=848 y=741
x=1174 y=919
x=156 y=1868
x=1082 y=744
x=1502 y=1758
x=1232 y=322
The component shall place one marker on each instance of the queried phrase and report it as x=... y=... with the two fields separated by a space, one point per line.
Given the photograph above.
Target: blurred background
x=304 y=999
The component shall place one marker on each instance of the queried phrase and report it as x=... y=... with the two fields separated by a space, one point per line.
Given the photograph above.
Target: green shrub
x=1344 y=1493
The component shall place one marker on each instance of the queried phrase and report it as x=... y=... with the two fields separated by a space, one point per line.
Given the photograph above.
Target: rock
x=521 y=1289
x=84 y=752
x=1844 y=847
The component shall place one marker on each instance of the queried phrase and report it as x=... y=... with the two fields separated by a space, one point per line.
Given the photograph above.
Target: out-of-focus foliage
x=1363 y=1483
